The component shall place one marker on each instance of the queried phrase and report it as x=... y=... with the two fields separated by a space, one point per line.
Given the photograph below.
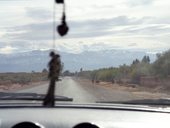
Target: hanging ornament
x=63 y=28
x=55 y=63
x=59 y=1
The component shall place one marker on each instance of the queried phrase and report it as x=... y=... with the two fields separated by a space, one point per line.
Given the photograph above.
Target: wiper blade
x=161 y=102
x=30 y=96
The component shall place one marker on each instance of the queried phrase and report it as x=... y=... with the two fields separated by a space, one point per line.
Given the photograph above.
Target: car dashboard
x=84 y=116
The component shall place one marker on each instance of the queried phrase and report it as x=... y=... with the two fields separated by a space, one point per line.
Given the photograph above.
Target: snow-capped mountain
x=37 y=60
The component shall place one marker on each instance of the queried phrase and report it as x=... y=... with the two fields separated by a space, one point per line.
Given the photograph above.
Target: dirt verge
x=136 y=90
x=13 y=87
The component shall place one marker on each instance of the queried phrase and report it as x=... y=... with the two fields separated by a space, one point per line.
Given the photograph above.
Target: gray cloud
x=78 y=29
x=132 y=44
x=38 y=36
x=106 y=23
x=41 y=31
x=149 y=30
x=2 y=44
x=38 y=13
x=134 y=3
x=90 y=28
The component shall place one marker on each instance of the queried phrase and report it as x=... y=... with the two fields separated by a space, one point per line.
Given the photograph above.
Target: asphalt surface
x=82 y=92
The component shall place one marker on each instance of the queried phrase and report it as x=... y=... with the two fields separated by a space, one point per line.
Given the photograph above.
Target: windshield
x=114 y=51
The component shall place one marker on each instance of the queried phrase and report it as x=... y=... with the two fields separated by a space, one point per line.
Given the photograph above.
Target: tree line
x=133 y=72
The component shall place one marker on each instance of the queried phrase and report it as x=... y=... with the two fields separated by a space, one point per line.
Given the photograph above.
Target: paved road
x=83 y=92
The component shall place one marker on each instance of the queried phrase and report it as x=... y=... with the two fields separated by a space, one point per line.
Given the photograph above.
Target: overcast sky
x=94 y=25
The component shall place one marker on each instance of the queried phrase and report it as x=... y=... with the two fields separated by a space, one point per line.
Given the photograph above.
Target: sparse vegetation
x=22 y=78
x=162 y=65
x=132 y=73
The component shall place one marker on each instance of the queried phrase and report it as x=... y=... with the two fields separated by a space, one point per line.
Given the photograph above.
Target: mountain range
x=37 y=60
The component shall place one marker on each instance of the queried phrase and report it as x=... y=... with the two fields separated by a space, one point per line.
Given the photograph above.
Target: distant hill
x=37 y=60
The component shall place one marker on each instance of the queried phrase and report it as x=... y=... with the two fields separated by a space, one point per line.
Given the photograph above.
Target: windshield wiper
x=149 y=102
x=29 y=96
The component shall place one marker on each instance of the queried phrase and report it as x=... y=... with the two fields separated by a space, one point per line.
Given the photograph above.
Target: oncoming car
x=84 y=64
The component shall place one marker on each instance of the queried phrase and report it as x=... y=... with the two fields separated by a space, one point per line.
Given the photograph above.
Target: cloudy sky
x=94 y=25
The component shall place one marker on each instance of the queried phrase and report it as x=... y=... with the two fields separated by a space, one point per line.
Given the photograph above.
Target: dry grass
x=12 y=81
